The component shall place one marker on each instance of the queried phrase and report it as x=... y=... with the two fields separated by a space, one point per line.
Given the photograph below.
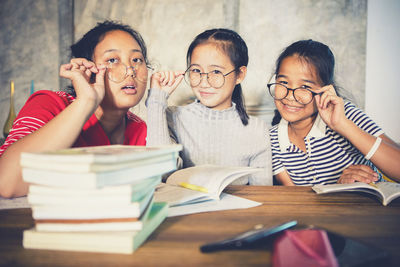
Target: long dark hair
x=317 y=55
x=235 y=47
x=84 y=48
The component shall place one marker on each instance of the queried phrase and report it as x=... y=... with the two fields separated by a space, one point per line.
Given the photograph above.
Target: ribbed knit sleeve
x=157 y=125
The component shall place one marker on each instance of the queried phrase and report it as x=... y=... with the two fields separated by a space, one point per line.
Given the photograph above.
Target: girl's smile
x=206 y=94
x=291 y=108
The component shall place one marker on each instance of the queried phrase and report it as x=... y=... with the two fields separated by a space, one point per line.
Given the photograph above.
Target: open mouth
x=129 y=89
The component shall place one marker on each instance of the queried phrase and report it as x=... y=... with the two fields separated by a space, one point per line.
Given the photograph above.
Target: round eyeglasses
x=215 y=78
x=117 y=72
x=302 y=95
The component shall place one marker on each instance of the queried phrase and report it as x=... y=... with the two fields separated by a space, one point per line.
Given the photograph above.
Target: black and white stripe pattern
x=326 y=156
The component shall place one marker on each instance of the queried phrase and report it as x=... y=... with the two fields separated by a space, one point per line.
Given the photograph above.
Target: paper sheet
x=227 y=202
x=14 y=203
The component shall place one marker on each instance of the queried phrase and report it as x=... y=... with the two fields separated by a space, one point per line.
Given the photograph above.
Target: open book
x=199 y=183
x=386 y=191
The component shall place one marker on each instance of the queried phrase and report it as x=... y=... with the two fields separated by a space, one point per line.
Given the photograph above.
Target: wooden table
x=176 y=242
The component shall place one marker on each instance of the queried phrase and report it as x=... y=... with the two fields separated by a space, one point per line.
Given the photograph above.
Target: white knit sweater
x=210 y=136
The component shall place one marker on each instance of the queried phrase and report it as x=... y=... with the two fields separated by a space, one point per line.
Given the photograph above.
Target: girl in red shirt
x=108 y=72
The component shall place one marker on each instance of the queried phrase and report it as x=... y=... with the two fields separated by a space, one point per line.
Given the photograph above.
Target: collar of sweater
x=205 y=112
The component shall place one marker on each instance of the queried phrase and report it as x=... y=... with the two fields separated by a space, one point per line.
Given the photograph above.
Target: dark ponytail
x=277 y=117
x=236 y=48
x=238 y=99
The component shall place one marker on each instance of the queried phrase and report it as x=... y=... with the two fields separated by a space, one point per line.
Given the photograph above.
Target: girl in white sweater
x=215 y=128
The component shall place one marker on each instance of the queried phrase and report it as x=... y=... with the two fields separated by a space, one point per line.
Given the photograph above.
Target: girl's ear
x=242 y=74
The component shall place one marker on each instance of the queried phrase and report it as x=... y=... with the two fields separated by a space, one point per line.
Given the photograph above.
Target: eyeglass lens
x=215 y=79
x=278 y=92
x=117 y=72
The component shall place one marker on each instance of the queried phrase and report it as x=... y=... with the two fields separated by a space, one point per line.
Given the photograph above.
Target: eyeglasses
x=301 y=94
x=117 y=72
x=215 y=78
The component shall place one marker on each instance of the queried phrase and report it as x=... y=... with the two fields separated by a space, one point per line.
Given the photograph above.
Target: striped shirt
x=328 y=153
x=43 y=106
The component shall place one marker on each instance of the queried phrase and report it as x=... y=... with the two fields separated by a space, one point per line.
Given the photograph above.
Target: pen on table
x=194 y=187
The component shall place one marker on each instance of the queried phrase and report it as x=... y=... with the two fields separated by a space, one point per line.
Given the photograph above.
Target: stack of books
x=96 y=199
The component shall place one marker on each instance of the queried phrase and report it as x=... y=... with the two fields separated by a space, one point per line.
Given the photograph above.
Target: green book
x=124 y=242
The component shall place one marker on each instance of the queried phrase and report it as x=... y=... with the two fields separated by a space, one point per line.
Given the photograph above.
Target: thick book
x=97 y=179
x=98 y=158
x=109 y=195
x=93 y=225
x=385 y=191
x=124 y=242
x=199 y=183
x=85 y=210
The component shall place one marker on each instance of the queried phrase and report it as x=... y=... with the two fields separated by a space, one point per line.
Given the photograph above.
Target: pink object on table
x=308 y=247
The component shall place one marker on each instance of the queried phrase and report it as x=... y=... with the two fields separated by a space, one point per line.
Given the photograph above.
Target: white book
x=385 y=191
x=93 y=225
x=124 y=242
x=115 y=195
x=199 y=183
x=82 y=167
x=97 y=179
x=89 y=210
x=96 y=154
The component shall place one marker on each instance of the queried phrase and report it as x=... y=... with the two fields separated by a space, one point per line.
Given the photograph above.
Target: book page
x=212 y=177
x=176 y=195
x=389 y=190
x=342 y=187
x=227 y=202
x=386 y=191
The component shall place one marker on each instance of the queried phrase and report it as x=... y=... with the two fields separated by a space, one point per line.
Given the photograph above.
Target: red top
x=44 y=105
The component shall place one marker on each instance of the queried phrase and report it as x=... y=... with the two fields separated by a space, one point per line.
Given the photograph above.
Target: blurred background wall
x=35 y=36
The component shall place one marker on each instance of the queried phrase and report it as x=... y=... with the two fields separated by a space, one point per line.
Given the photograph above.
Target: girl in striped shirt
x=317 y=137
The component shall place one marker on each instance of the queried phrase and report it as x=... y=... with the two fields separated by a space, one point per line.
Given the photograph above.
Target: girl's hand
x=79 y=71
x=358 y=173
x=166 y=80
x=331 y=108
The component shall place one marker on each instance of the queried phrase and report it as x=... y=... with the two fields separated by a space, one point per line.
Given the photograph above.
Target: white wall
x=382 y=94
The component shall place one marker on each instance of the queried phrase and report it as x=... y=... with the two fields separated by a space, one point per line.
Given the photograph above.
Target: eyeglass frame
x=201 y=77
x=126 y=70
x=291 y=89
